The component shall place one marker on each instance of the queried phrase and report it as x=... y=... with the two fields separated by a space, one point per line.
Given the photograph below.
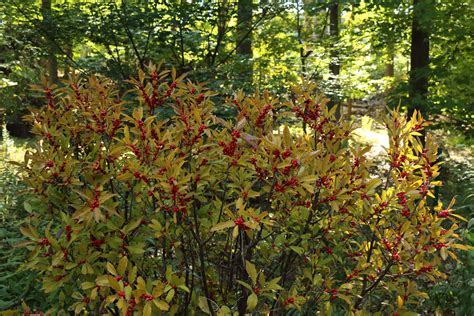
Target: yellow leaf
x=222 y=225
x=458 y=217
x=29 y=232
x=287 y=136
x=444 y=253
x=462 y=247
x=126 y=134
x=235 y=232
x=114 y=284
x=132 y=274
x=102 y=280
x=162 y=305
x=138 y=113
x=122 y=266
x=147 y=309
x=111 y=269
x=399 y=301
x=405 y=227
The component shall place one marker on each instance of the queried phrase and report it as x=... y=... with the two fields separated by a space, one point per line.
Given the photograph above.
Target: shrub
x=15 y=286
x=133 y=209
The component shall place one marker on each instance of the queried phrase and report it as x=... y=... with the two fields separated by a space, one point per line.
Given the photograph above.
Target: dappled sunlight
x=369 y=133
x=11 y=149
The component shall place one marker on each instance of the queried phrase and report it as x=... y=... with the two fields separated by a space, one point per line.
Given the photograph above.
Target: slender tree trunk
x=390 y=64
x=47 y=25
x=335 y=66
x=67 y=68
x=244 y=37
x=420 y=51
x=334 y=32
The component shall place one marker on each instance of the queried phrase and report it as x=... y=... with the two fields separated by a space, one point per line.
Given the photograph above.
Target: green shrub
x=15 y=286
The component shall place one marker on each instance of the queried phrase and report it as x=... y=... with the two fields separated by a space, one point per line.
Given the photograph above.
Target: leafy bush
x=156 y=213
x=456 y=293
x=15 y=286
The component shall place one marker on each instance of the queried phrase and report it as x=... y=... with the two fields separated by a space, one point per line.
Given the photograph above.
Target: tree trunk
x=51 y=47
x=335 y=66
x=420 y=50
x=67 y=67
x=390 y=65
x=334 y=32
x=244 y=37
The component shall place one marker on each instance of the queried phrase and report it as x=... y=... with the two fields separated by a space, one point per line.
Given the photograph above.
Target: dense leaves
x=136 y=209
x=288 y=39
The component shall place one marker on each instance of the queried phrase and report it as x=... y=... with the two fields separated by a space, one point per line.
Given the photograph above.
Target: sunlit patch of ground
x=11 y=149
x=372 y=134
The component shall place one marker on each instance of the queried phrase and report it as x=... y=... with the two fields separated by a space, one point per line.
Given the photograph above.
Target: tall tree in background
x=390 y=61
x=335 y=65
x=47 y=25
x=420 y=54
x=244 y=37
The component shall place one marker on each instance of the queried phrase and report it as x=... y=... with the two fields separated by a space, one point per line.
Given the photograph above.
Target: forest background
x=363 y=55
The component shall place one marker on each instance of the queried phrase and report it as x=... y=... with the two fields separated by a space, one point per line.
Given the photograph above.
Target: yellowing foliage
x=158 y=206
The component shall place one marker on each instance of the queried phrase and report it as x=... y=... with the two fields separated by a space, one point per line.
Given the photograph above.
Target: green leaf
x=224 y=311
x=170 y=295
x=135 y=250
x=183 y=287
x=203 y=305
x=252 y=302
x=252 y=271
x=273 y=284
x=246 y=285
x=298 y=250
x=132 y=226
x=87 y=285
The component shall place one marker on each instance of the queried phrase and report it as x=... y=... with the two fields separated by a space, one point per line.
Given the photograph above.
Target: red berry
x=236 y=133
x=443 y=214
x=94 y=204
x=286 y=154
x=44 y=242
x=294 y=163
x=147 y=297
